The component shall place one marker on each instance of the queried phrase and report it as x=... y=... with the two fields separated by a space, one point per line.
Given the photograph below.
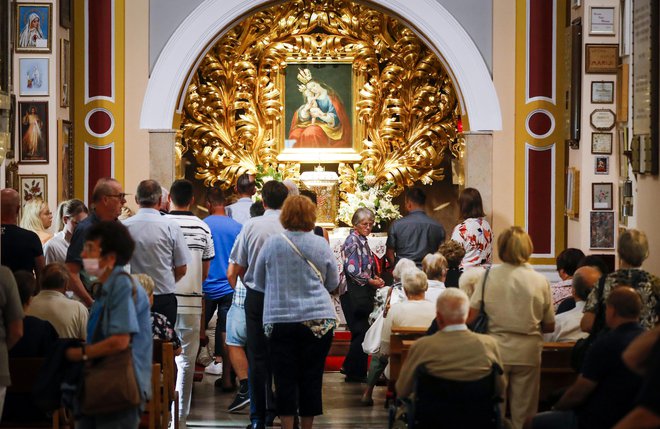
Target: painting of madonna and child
x=318 y=100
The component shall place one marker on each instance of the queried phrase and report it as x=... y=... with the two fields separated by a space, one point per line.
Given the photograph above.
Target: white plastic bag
x=371 y=343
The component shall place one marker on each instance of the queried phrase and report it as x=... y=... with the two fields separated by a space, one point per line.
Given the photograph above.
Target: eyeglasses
x=121 y=196
x=366 y=224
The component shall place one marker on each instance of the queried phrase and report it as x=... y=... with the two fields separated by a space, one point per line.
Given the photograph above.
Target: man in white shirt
x=189 y=288
x=160 y=248
x=245 y=188
x=68 y=317
x=567 y=324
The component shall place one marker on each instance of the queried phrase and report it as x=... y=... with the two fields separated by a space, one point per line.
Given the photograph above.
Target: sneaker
x=214 y=368
x=241 y=401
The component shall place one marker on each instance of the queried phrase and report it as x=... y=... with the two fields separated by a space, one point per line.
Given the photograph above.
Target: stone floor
x=341 y=406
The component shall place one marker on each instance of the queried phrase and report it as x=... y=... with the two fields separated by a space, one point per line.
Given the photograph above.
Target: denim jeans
x=187 y=326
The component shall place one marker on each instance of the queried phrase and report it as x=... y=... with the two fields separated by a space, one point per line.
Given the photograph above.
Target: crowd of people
x=264 y=275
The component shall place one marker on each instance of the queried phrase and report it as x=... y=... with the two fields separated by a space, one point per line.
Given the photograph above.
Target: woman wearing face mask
x=119 y=318
x=69 y=214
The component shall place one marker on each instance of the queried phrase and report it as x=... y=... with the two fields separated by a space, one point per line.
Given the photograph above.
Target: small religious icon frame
x=33 y=28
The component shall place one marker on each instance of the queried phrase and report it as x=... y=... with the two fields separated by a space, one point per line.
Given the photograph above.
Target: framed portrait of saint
x=33 y=77
x=319 y=125
x=33 y=132
x=33 y=27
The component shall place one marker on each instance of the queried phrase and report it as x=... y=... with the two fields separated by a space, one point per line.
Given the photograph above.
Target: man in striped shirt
x=189 y=288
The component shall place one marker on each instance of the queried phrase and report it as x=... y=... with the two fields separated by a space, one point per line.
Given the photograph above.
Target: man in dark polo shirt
x=108 y=198
x=21 y=249
x=606 y=389
x=415 y=235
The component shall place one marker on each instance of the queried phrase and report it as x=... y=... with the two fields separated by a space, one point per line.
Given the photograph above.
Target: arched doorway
x=430 y=22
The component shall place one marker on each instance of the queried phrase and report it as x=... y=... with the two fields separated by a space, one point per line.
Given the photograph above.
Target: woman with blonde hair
x=434 y=266
x=37 y=217
x=519 y=306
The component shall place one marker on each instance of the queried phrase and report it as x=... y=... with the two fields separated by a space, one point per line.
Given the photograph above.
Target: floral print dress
x=477 y=239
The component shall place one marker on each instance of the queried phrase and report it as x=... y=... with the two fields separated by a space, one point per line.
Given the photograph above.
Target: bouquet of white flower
x=369 y=195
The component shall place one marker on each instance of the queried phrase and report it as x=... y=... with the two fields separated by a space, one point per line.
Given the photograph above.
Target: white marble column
x=479 y=167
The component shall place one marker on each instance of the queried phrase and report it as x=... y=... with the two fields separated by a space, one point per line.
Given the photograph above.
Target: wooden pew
x=152 y=416
x=556 y=372
x=163 y=354
x=24 y=373
x=399 y=335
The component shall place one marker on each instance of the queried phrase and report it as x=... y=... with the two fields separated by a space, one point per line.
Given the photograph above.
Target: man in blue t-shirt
x=218 y=293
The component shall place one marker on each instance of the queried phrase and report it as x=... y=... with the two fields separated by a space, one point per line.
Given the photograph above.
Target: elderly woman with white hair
x=434 y=266
x=382 y=305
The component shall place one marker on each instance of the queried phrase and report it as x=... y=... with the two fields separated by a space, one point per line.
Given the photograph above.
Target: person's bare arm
x=111 y=345
x=39 y=264
x=639 y=418
x=206 y=265
x=636 y=356
x=14 y=333
x=76 y=285
x=576 y=394
x=233 y=272
x=587 y=322
x=179 y=272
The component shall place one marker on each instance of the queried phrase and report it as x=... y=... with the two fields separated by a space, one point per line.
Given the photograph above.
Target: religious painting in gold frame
x=320 y=124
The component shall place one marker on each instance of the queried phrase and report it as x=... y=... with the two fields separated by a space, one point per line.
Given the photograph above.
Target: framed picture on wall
x=602 y=165
x=602 y=21
x=33 y=132
x=65 y=72
x=602 y=92
x=601 y=230
x=601 y=143
x=65 y=160
x=601 y=196
x=33 y=77
x=65 y=13
x=33 y=27
x=573 y=193
x=601 y=58
x=32 y=186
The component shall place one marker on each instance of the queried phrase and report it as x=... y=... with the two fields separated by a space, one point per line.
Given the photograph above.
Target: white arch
x=431 y=21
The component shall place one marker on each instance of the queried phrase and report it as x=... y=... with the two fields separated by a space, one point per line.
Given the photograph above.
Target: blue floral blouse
x=359 y=260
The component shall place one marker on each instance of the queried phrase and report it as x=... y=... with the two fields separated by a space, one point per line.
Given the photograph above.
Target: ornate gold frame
x=406 y=106
x=322 y=156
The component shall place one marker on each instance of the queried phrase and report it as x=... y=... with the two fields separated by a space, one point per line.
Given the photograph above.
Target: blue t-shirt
x=224 y=231
x=125 y=317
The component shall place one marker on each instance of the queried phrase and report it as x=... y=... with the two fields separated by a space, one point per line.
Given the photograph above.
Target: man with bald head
x=606 y=389
x=21 y=249
x=567 y=324
x=108 y=197
x=160 y=248
x=454 y=352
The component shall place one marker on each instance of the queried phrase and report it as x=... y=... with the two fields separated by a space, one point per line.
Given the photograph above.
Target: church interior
x=549 y=108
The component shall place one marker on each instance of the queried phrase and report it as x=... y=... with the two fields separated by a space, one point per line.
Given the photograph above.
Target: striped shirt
x=200 y=242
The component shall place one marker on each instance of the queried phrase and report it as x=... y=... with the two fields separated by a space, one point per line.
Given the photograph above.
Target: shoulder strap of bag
x=310 y=263
x=483 y=290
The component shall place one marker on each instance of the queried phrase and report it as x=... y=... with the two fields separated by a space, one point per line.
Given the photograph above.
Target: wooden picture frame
x=65 y=13
x=34 y=27
x=602 y=21
x=65 y=160
x=602 y=165
x=601 y=143
x=602 y=92
x=573 y=193
x=34 y=74
x=601 y=59
x=602 y=196
x=65 y=72
x=33 y=132
x=601 y=230
x=575 y=92
x=32 y=186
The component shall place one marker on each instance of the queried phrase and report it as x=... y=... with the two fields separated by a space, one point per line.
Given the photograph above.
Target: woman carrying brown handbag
x=119 y=322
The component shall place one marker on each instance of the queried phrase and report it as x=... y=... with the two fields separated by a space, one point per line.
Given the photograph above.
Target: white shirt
x=55 y=249
x=567 y=326
x=68 y=317
x=436 y=287
x=240 y=210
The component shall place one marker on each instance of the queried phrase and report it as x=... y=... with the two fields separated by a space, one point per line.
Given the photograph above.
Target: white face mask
x=92 y=267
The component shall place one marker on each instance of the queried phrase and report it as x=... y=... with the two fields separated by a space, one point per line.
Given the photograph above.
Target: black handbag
x=480 y=324
x=109 y=383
